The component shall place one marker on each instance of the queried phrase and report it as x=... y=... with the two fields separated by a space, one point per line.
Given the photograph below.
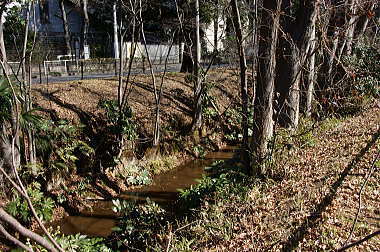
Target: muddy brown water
x=164 y=190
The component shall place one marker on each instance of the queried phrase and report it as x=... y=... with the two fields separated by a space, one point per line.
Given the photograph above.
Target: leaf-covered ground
x=311 y=206
x=314 y=205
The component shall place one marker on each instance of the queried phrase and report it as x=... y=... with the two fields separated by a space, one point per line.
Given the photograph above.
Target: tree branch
x=4 y=216
x=360 y=241
x=13 y=239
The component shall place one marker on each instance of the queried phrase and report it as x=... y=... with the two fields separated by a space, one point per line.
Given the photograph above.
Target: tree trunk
x=366 y=20
x=311 y=66
x=294 y=92
x=3 y=52
x=197 y=119
x=216 y=26
x=294 y=53
x=86 y=24
x=115 y=36
x=346 y=47
x=243 y=79
x=255 y=45
x=187 y=65
x=65 y=27
x=331 y=57
x=263 y=129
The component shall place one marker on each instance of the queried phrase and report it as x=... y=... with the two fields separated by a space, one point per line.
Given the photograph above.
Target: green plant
x=365 y=67
x=120 y=121
x=133 y=173
x=19 y=208
x=227 y=178
x=209 y=109
x=74 y=243
x=232 y=129
x=199 y=151
x=58 y=144
x=5 y=100
x=138 y=222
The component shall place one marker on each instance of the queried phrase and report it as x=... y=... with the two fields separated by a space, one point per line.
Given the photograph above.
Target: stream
x=164 y=190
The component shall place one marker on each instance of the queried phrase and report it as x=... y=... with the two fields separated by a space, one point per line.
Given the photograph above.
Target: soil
x=77 y=101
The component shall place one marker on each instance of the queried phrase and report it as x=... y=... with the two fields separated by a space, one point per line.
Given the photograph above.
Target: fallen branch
x=14 y=239
x=360 y=241
x=5 y=217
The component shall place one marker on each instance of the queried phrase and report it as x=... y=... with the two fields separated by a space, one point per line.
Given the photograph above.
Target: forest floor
x=77 y=102
x=319 y=185
x=328 y=188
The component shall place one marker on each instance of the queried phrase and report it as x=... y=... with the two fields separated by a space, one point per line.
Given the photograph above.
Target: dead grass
x=313 y=208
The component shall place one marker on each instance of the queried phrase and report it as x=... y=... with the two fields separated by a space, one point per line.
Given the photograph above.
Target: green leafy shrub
x=228 y=176
x=5 y=100
x=121 y=122
x=365 y=67
x=132 y=173
x=19 y=208
x=58 y=144
x=232 y=128
x=138 y=223
x=75 y=243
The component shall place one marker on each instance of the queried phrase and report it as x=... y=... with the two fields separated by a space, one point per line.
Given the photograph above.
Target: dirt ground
x=77 y=101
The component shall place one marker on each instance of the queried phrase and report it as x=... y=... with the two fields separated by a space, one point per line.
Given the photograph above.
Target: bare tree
x=263 y=128
x=65 y=26
x=312 y=41
x=197 y=119
x=86 y=25
x=243 y=77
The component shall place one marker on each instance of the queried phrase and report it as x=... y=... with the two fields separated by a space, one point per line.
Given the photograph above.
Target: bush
x=121 y=122
x=138 y=224
x=74 y=243
x=59 y=146
x=19 y=208
x=365 y=67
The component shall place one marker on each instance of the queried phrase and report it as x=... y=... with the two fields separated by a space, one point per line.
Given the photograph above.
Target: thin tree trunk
x=366 y=21
x=255 y=45
x=243 y=79
x=197 y=120
x=346 y=47
x=115 y=36
x=216 y=26
x=3 y=52
x=157 y=95
x=86 y=24
x=65 y=27
x=294 y=92
x=311 y=67
x=120 y=89
x=263 y=130
x=298 y=30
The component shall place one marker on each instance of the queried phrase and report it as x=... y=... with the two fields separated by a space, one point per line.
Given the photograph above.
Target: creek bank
x=99 y=221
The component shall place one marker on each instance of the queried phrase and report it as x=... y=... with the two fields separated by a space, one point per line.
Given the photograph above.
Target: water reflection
x=164 y=190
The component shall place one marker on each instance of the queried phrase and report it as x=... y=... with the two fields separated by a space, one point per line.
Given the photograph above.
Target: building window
x=44 y=12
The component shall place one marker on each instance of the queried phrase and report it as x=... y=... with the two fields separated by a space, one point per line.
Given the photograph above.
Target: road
x=134 y=71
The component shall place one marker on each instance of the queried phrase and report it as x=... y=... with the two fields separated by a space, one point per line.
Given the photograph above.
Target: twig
x=359 y=241
x=373 y=165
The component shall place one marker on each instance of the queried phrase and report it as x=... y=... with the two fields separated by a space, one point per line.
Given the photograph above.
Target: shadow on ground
x=315 y=217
